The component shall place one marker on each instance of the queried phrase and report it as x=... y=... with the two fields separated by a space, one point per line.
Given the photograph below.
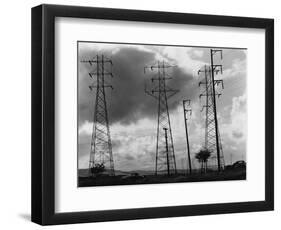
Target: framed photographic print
x=141 y=114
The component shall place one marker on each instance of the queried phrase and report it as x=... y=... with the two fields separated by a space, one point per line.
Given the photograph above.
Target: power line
x=212 y=135
x=165 y=156
x=101 y=148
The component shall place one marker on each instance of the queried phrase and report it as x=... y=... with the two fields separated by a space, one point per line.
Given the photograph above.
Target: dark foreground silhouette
x=130 y=178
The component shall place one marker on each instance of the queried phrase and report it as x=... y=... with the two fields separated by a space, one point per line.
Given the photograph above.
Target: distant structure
x=165 y=154
x=187 y=114
x=101 y=158
x=212 y=135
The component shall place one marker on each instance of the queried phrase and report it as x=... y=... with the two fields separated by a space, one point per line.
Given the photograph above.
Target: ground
x=136 y=178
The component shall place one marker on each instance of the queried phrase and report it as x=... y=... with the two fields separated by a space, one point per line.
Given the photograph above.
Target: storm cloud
x=133 y=113
x=128 y=102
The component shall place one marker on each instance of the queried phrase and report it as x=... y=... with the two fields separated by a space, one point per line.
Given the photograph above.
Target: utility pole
x=213 y=69
x=101 y=148
x=187 y=111
x=212 y=136
x=162 y=92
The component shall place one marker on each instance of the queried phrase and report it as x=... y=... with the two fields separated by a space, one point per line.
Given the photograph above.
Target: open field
x=119 y=179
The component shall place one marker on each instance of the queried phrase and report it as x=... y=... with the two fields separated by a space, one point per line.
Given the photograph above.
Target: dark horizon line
x=133 y=170
x=148 y=44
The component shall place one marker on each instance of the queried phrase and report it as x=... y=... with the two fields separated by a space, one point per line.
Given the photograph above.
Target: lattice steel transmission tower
x=101 y=157
x=187 y=114
x=212 y=135
x=165 y=154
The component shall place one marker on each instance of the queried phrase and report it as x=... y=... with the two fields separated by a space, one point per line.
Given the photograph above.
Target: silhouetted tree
x=202 y=156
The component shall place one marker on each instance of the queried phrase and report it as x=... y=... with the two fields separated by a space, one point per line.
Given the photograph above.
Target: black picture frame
x=43 y=114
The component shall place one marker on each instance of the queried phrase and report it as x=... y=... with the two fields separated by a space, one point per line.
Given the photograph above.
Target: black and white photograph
x=151 y=113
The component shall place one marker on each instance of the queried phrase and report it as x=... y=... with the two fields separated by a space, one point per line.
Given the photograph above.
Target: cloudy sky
x=133 y=114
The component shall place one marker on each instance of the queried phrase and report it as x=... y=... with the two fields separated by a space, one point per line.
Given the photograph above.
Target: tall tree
x=202 y=156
